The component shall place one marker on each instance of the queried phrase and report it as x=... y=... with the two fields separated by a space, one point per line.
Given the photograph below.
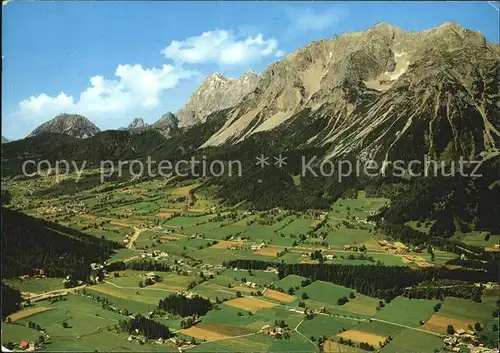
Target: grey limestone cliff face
x=69 y=124
x=381 y=92
x=217 y=92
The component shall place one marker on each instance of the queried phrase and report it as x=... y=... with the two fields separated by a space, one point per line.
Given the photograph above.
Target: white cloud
x=221 y=47
x=304 y=20
x=134 y=88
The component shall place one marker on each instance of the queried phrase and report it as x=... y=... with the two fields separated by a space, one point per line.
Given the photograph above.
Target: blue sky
x=115 y=61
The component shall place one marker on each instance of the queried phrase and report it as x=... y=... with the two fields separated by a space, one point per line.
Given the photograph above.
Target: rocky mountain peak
x=137 y=123
x=69 y=124
x=167 y=121
x=217 y=92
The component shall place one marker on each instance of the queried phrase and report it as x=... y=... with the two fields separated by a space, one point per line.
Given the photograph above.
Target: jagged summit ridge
x=372 y=92
x=137 y=123
x=217 y=92
x=68 y=124
x=167 y=121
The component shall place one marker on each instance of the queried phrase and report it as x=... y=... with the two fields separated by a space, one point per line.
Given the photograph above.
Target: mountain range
x=375 y=93
x=382 y=94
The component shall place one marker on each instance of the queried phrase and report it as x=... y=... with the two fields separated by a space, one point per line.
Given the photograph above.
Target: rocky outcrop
x=217 y=92
x=73 y=125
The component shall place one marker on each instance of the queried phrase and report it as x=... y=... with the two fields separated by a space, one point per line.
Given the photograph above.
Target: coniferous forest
x=34 y=246
x=145 y=326
x=11 y=298
x=184 y=306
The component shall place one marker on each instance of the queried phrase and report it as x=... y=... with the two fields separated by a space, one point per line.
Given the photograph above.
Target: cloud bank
x=221 y=47
x=136 y=89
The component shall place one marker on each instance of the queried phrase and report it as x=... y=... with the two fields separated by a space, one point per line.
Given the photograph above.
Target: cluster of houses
x=195 y=235
x=73 y=208
x=127 y=239
x=142 y=339
x=97 y=273
x=326 y=256
x=153 y=254
x=465 y=341
x=28 y=346
x=269 y=330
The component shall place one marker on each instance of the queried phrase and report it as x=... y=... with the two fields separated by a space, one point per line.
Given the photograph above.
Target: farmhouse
x=316 y=225
x=329 y=256
x=151 y=275
x=96 y=267
x=258 y=246
x=251 y=284
x=207 y=273
x=383 y=242
x=272 y=270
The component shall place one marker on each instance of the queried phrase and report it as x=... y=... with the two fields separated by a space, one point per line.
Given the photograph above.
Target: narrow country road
x=46 y=295
x=147 y=288
x=133 y=238
x=296 y=329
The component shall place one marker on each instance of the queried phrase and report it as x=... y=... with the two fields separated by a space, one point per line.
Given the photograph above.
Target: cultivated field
x=360 y=336
x=438 y=323
x=251 y=304
x=212 y=331
x=407 y=311
x=279 y=296
x=28 y=312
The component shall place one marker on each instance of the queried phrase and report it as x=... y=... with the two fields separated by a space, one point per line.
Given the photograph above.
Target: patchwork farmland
x=170 y=249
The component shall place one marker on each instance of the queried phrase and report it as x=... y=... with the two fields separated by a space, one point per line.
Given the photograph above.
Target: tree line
x=373 y=280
